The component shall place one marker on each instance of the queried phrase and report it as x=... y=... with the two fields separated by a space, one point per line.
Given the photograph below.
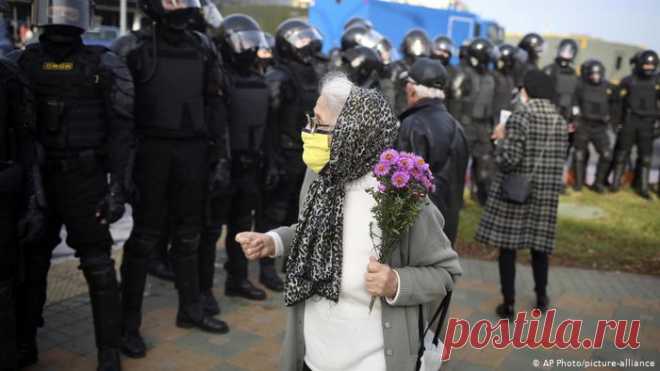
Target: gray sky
x=629 y=21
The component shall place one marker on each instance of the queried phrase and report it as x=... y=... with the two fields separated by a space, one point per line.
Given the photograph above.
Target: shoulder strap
x=440 y=313
x=547 y=144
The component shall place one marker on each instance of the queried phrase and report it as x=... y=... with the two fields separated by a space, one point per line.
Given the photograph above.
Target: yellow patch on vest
x=52 y=66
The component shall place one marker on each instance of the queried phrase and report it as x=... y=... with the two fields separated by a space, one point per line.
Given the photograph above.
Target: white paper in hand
x=504 y=116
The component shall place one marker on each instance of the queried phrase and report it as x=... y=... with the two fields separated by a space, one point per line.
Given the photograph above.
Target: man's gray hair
x=426 y=92
x=335 y=88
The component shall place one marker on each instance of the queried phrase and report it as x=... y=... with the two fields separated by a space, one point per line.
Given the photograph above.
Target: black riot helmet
x=358 y=21
x=592 y=71
x=353 y=36
x=240 y=38
x=507 y=57
x=386 y=51
x=442 y=49
x=428 y=72
x=416 y=44
x=533 y=44
x=566 y=52
x=297 y=40
x=480 y=53
x=646 y=63
x=176 y=14
x=361 y=64
x=66 y=13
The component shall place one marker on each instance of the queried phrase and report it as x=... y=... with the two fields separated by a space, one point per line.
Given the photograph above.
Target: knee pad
x=141 y=243
x=99 y=272
x=185 y=244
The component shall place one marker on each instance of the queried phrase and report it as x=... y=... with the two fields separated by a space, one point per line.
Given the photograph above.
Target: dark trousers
x=482 y=153
x=507 y=264
x=73 y=193
x=8 y=265
x=638 y=131
x=245 y=214
x=596 y=133
x=281 y=204
x=171 y=178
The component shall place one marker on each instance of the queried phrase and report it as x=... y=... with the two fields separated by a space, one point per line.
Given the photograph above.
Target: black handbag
x=516 y=188
x=441 y=312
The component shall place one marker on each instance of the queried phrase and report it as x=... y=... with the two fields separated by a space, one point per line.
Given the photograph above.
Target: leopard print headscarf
x=365 y=127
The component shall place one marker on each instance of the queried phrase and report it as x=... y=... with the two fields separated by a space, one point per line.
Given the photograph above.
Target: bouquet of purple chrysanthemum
x=404 y=181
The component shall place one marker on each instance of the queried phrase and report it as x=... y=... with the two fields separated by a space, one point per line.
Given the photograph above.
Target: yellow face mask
x=316 y=150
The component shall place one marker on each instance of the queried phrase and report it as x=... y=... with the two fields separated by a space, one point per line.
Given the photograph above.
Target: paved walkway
x=67 y=340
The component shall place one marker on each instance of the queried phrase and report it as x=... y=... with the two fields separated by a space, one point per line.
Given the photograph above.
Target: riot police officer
x=428 y=130
x=505 y=85
x=22 y=203
x=85 y=123
x=363 y=66
x=533 y=44
x=475 y=88
x=293 y=85
x=639 y=94
x=240 y=38
x=415 y=44
x=182 y=155
x=592 y=98
x=358 y=21
x=443 y=50
x=564 y=77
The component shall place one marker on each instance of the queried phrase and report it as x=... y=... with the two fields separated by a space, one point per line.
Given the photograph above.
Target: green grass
x=627 y=238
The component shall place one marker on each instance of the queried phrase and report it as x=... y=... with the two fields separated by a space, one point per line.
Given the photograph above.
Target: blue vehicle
x=102 y=35
x=393 y=20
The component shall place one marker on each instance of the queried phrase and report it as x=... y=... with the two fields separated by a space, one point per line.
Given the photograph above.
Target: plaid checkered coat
x=532 y=225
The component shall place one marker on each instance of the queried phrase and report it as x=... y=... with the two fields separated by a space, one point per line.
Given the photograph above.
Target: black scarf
x=365 y=127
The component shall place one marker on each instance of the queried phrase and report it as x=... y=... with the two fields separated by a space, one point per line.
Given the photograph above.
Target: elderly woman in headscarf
x=331 y=268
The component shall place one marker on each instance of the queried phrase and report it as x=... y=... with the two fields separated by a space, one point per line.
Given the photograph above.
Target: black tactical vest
x=565 y=84
x=594 y=102
x=70 y=97
x=480 y=102
x=248 y=112
x=301 y=102
x=170 y=101
x=504 y=91
x=642 y=96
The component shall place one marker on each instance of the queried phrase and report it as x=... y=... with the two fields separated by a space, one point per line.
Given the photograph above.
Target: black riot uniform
x=363 y=66
x=564 y=77
x=22 y=203
x=442 y=50
x=532 y=44
x=415 y=44
x=593 y=98
x=428 y=130
x=639 y=94
x=475 y=88
x=240 y=39
x=505 y=85
x=293 y=85
x=85 y=124
x=181 y=156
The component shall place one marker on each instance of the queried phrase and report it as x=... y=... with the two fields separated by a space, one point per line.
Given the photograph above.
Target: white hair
x=425 y=92
x=335 y=88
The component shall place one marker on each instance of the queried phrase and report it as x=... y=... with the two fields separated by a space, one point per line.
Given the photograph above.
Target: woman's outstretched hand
x=380 y=279
x=256 y=245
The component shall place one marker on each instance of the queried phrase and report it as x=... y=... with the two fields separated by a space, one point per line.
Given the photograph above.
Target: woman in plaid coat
x=509 y=226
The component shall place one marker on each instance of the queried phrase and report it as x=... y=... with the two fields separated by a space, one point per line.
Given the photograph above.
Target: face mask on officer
x=178 y=13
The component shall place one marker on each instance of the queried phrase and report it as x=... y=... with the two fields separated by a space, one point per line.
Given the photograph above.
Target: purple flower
x=400 y=179
x=405 y=163
x=427 y=184
x=417 y=173
x=419 y=161
x=390 y=156
x=382 y=188
x=382 y=168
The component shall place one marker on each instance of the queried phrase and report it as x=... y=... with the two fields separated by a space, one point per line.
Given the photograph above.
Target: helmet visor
x=243 y=41
x=302 y=37
x=418 y=47
x=212 y=15
x=172 y=5
x=73 y=13
x=567 y=52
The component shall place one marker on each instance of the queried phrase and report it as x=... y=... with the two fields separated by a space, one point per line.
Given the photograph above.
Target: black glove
x=220 y=178
x=111 y=207
x=32 y=226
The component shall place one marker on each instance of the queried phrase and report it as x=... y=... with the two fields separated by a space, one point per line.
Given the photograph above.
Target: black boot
x=601 y=175
x=190 y=313
x=619 y=168
x=209 y=303
x=505 y=311
x=243 y=288
x=268 y=276
x=542 y=302
x=133 y=280
x=8 y=349
x=644 y=178
x=104 y=294
x=579 y=164
x=27 y=354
